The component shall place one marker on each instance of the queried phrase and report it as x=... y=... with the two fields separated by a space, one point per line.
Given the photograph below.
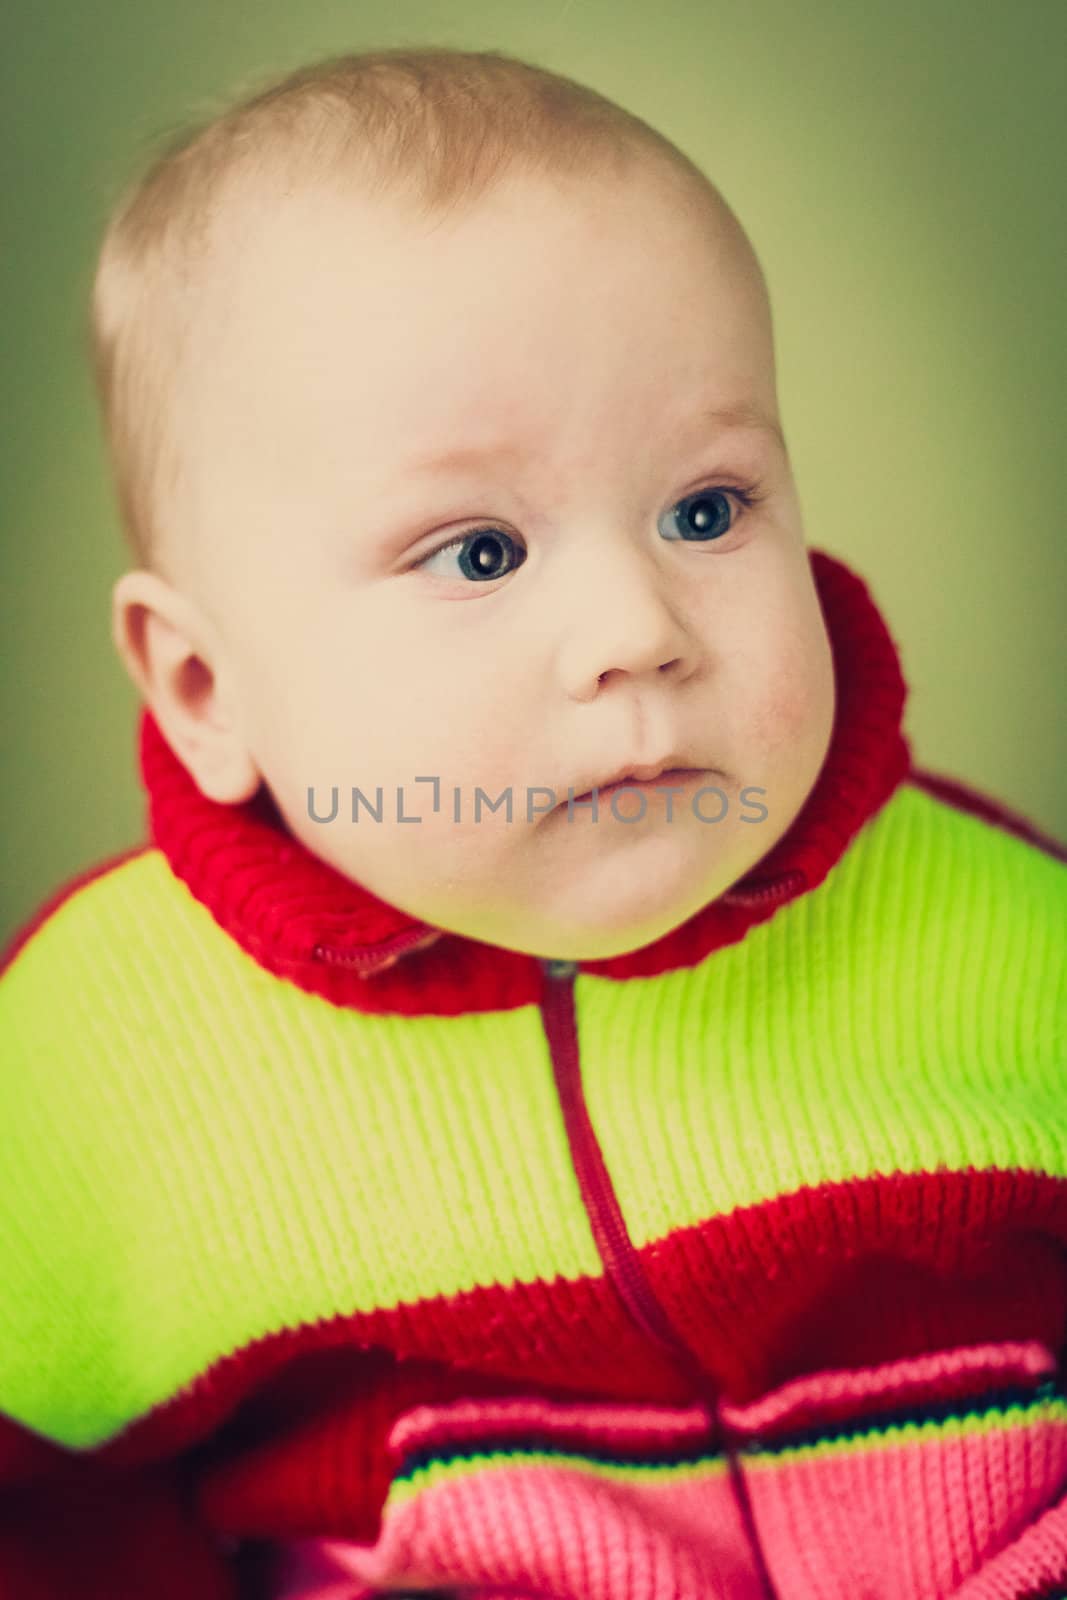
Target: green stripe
x=437 y=1473
x=897 y=1019
x=202 y=1155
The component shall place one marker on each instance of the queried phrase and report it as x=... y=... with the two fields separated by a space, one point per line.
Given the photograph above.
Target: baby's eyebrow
x=743 y=417
x=465 y=456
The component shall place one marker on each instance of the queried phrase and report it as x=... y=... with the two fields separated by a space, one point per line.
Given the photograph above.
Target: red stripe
x=290 y=1435
x=921 y=1262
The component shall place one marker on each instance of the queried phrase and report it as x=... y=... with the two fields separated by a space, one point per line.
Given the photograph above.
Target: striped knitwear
x=343 y=1256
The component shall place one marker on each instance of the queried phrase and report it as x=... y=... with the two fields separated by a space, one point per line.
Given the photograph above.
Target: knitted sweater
x=733 y=1266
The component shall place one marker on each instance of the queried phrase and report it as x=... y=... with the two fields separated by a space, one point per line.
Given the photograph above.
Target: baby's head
x=441 y=399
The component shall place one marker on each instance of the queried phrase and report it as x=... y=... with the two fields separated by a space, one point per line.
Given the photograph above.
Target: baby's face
x=444 y=472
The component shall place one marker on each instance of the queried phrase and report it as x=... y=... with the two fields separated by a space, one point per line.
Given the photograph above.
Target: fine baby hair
x=437 y=125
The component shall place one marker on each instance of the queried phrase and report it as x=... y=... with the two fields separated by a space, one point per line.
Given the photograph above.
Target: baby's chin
x=568 y=943
x=591 y=920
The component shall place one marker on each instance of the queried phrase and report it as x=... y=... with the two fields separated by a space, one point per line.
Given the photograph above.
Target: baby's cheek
x=796 y=713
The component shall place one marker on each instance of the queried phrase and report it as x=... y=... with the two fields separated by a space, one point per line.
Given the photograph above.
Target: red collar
x=301 y=919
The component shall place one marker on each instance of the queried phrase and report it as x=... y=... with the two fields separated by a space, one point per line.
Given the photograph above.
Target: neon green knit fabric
x=187 y=1122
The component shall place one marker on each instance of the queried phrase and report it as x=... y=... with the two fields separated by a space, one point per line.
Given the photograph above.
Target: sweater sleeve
x=72 y=1524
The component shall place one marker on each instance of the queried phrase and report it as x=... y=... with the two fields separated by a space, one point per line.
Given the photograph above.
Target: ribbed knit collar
x=301 y=919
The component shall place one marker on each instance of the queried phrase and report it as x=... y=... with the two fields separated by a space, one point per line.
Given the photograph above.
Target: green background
x=900 y=169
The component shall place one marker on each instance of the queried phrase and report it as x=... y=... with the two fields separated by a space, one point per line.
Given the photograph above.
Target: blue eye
x=487 y=553
x=706 y=517
x=479 y=554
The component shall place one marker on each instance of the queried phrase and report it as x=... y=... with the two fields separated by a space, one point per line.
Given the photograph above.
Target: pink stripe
x=910 y=1521
x=817 y=1401
x=923 y=1380
x=542 y=1531
x=905 y=1522
x=605 y=1428
x=1036 y=1560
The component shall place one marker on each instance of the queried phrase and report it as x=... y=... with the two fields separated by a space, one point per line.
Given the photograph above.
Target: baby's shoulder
x=124 y=992
x=955 y=875
x=938 y=836
x=119 y=962
x=72 y=932
x=973 y=812
x=83 y=942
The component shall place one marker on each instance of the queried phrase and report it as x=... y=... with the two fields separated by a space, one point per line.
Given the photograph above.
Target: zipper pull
x=368 y=960
x=757 y=894
x=554 y=968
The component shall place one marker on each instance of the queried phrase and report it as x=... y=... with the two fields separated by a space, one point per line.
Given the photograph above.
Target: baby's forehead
x=269 y=208
x=304 y=277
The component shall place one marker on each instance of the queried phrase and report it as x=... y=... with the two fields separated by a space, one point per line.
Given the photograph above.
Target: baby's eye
x=707 y=515
x=488 y=553
x=482 y=554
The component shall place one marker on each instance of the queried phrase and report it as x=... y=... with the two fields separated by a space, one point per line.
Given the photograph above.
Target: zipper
x=616 y=1249
x=613 y=1241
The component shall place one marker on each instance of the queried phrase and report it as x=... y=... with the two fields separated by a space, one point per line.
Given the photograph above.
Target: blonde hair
x=435 y=124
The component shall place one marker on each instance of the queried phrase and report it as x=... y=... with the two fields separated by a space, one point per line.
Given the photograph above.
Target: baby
x=558 y=1105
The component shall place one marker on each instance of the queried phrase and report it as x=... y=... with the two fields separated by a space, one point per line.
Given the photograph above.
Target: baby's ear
x=175 y=660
